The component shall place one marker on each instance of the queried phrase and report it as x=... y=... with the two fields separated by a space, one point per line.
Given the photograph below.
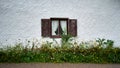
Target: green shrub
x=74 y=54
x=108 y=43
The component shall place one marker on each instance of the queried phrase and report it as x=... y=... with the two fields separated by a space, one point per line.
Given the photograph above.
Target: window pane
x=55 y=27
x=64 y=26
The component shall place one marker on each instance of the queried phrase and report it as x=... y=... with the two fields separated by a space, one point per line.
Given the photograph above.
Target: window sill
x=55 y=36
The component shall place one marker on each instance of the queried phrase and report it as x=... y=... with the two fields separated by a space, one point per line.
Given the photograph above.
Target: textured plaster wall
x=20 y=19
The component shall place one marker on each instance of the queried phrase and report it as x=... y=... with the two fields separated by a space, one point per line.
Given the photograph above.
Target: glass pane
x=64 y=26
x=55 y=24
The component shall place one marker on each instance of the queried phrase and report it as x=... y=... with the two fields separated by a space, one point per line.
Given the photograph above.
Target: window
x=55 y=27
x=58 y=26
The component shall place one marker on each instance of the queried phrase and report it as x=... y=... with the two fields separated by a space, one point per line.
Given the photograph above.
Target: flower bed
x=56 y=54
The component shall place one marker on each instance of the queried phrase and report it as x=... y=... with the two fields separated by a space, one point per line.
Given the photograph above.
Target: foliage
x=108 y=43
x=66 y=39
x=56 y=54
x=100 y=41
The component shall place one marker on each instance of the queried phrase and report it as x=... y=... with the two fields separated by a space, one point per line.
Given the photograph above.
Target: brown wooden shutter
x=72 y=27
x=45 y=27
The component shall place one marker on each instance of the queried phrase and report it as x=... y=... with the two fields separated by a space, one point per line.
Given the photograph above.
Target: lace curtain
x=55 y=24
x=56 y=27
x=64 y=26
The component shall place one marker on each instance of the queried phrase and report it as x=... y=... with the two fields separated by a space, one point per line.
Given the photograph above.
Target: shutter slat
x=72 y=27
x=45 y=27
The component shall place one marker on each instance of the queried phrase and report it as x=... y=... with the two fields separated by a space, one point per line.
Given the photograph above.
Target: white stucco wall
x=20 y=19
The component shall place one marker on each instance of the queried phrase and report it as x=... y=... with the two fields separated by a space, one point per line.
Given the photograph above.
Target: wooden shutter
x=45 y=27
x=72 y=27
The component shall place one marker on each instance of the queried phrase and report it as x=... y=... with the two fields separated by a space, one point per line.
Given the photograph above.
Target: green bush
x=108 y=43
x=75 y=54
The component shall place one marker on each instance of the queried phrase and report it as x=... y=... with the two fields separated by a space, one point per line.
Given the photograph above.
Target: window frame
x=59 y=19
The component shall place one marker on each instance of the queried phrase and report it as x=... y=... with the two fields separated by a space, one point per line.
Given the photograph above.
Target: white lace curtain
x=55 y=24
x=64 y=26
